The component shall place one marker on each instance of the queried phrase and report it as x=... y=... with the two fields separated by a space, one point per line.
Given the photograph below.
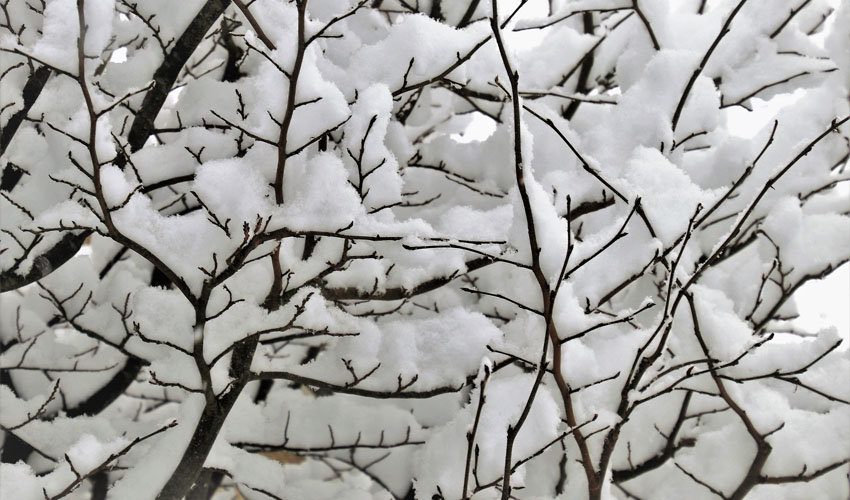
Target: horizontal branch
x=400 y=293
x=356 y=391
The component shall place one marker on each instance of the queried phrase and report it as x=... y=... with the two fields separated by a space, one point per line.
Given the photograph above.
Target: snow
x=99 y=17
x=150 y=474
x=255 y=470
x=16 y=411
x=182 y=242
x=58 y=43
x=395 y=203
x=796 y=233
x=156 y=163
x=464 y=222
x=768 y=68
x=423 y=348
x=317 y=196
x=233 y=189
x=545 y=68
x=116 y=187
x=429 y=43
x=20 y=482
x=667 y=195
x=724 y=332
x=383 y=185
x=720 y=456
x=163 y=315
x=413 y=351
x=88 y=452
x=440 y=463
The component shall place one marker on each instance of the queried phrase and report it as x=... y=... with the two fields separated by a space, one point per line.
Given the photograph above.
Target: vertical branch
x=513 y=78
x=547 y=295
x=513 y=430
x=666 y=453
x=436 y=10
x=788 y=19
x=166 y=74
x=763 y=448
x=254 y=24
x=467 y=15
x=189 y=470
x=35 y=84
x=645 y=22
x=92 y=141
x=470 y=436
x=586 y=68
x=698 y=70
x=290 y=101
x=642 y=361
x=276 y=290
x=91 y=145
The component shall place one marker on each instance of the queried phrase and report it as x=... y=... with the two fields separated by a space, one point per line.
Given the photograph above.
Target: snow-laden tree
x=249 y=252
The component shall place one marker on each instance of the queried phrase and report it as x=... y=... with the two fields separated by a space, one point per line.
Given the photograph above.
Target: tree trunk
x=206 y=432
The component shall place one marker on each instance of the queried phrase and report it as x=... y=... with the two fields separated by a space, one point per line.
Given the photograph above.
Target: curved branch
x=705 y=58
